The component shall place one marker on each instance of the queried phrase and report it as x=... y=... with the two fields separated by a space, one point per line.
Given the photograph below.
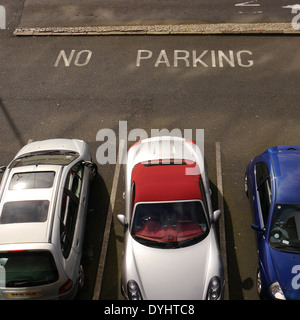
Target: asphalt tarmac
x=242 y=90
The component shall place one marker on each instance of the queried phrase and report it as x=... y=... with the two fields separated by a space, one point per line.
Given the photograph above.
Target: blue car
x=272 y=184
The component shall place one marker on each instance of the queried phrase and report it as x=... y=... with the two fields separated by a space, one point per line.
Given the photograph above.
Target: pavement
x=106 y=17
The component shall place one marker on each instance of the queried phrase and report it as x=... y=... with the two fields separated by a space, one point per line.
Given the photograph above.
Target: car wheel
x=246 y=184
x=258 y=283
x=81 y=277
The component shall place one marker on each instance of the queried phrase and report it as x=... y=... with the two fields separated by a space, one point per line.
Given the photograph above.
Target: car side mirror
x=2 y=169
x=121 y=218
x=257 y=228
x=216 y=215
x=88 y=164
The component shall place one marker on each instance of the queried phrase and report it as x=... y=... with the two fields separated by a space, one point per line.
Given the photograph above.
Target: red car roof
x=165 y=182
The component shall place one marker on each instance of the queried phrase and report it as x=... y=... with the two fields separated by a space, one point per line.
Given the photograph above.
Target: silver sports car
x=171 y=248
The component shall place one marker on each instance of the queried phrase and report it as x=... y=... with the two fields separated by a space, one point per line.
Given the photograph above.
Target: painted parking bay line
x=222 y=218
x=99 y=277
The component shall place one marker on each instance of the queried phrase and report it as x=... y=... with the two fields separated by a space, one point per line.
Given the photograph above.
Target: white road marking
x=79 y=61
x=222 y=218
x=193 y=59
x=247 y=4
x=2 y=17
x=99 y=277
x=291 y=6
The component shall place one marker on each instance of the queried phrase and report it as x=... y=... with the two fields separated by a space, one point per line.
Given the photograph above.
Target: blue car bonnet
x=287 y=269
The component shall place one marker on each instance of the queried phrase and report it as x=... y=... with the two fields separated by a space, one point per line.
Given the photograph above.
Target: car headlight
x=276 y=291
x=214 y=288
x=133 y=290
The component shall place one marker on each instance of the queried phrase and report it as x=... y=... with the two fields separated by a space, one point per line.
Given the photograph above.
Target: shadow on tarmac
x=95 y=224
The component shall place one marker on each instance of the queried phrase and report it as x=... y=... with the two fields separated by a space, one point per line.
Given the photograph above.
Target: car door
x=73 y=215
x=263 y=194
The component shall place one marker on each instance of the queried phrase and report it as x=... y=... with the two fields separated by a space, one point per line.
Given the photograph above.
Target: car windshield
x=51 y=157
x=285 y=228
x=27 y=268
x=169 y=224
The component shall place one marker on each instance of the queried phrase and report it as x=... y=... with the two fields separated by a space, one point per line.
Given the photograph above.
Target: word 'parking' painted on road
x=194 y=58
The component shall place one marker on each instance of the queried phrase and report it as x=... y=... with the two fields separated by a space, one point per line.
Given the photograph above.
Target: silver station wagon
x=43 y=205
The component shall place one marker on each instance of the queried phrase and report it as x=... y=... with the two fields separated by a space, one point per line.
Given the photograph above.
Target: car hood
x=287 y=269
x=177 y=274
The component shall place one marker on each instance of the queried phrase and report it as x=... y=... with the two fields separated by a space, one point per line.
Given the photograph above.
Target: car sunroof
x=32 y=180
x=24 y=211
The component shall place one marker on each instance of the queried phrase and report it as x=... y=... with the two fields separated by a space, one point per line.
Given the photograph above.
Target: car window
x=55 y=157
x=203 y=194
x=263 y=185
x=24 y=211
x=132 y=197
x=169 y=224
x=285 y=227
x=70 y=207
x=28 y=268
x=32 y=180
